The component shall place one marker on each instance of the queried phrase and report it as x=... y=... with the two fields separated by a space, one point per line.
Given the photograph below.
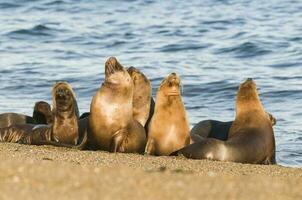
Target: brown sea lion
x=216 y=129
x=251 y=136
x=41 y=115
x=65 y=128
x=142 y=92
x=169 y=126
x=111 y=123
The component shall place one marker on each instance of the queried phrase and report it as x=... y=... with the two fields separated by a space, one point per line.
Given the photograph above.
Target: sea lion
x=64 y=129
x=169 y=126
x=111 y=125
x=41 y=115
x=251 y=136
x=217 y=129
x=142 y=100
x=142 y=91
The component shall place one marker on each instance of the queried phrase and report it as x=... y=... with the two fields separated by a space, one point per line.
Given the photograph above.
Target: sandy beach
x=46 y=172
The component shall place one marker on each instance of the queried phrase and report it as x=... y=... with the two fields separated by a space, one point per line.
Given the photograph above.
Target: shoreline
x=46 y=172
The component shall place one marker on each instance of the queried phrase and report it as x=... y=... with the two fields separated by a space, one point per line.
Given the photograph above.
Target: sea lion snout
x=132 y=70
x=112 y=65
x=63 y=94
x=135 y=74
x=171 y=85
x=173 y=79
x=248 y=81
x=174 y=84
x=247 y=89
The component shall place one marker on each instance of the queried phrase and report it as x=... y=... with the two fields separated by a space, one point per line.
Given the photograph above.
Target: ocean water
x=213 y=45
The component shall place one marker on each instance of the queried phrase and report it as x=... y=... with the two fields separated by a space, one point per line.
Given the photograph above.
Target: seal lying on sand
x=111 y=124
x=42 y=115
x=169 y=126
x=216 y=129
x=64 y=129
x=251 y=137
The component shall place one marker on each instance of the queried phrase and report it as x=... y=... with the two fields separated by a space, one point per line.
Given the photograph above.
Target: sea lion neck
x=117 y=90
x=163 y=100
x=69 y=113
x=247 y=100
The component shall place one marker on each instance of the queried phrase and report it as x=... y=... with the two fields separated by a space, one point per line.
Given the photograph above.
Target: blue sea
x=213 y=45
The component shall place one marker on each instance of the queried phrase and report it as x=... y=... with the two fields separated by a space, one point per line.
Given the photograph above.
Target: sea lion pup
x=111 y=123
x=251 y=136
x=142 y=92
x=169 y=126
x=41 y=115
x=217 y=129
x=64 y=129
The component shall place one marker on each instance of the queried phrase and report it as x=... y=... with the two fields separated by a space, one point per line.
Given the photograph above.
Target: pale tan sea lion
x=251 y=136
x=169 y=126
x=111 y=123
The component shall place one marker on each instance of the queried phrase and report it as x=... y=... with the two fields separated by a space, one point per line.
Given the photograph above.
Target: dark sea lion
x=41 y=115
x=111 y=123
x=142 y=91
x=64 y=129
x=169 y=126
x=216 y=129
x=151 y=112
x=251 y=136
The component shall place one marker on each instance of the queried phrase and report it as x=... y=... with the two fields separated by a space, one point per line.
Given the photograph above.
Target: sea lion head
x=42 y=113
x=247 y=97
x=137 y=77
x=171 y=85
x=64 y=98
x=116 y=74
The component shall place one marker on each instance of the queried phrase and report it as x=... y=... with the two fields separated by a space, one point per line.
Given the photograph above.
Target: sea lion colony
x=123 y=117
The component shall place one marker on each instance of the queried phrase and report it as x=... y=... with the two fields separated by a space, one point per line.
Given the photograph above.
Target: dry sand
x=45 y=172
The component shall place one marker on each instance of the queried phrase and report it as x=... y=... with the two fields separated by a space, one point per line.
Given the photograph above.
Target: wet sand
x=45 y=172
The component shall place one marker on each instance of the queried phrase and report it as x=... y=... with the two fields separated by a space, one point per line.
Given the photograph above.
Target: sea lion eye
x=59 y=91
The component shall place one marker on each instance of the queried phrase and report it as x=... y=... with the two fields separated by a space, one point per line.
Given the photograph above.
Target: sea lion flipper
x=150 y=149
x=117 y=140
